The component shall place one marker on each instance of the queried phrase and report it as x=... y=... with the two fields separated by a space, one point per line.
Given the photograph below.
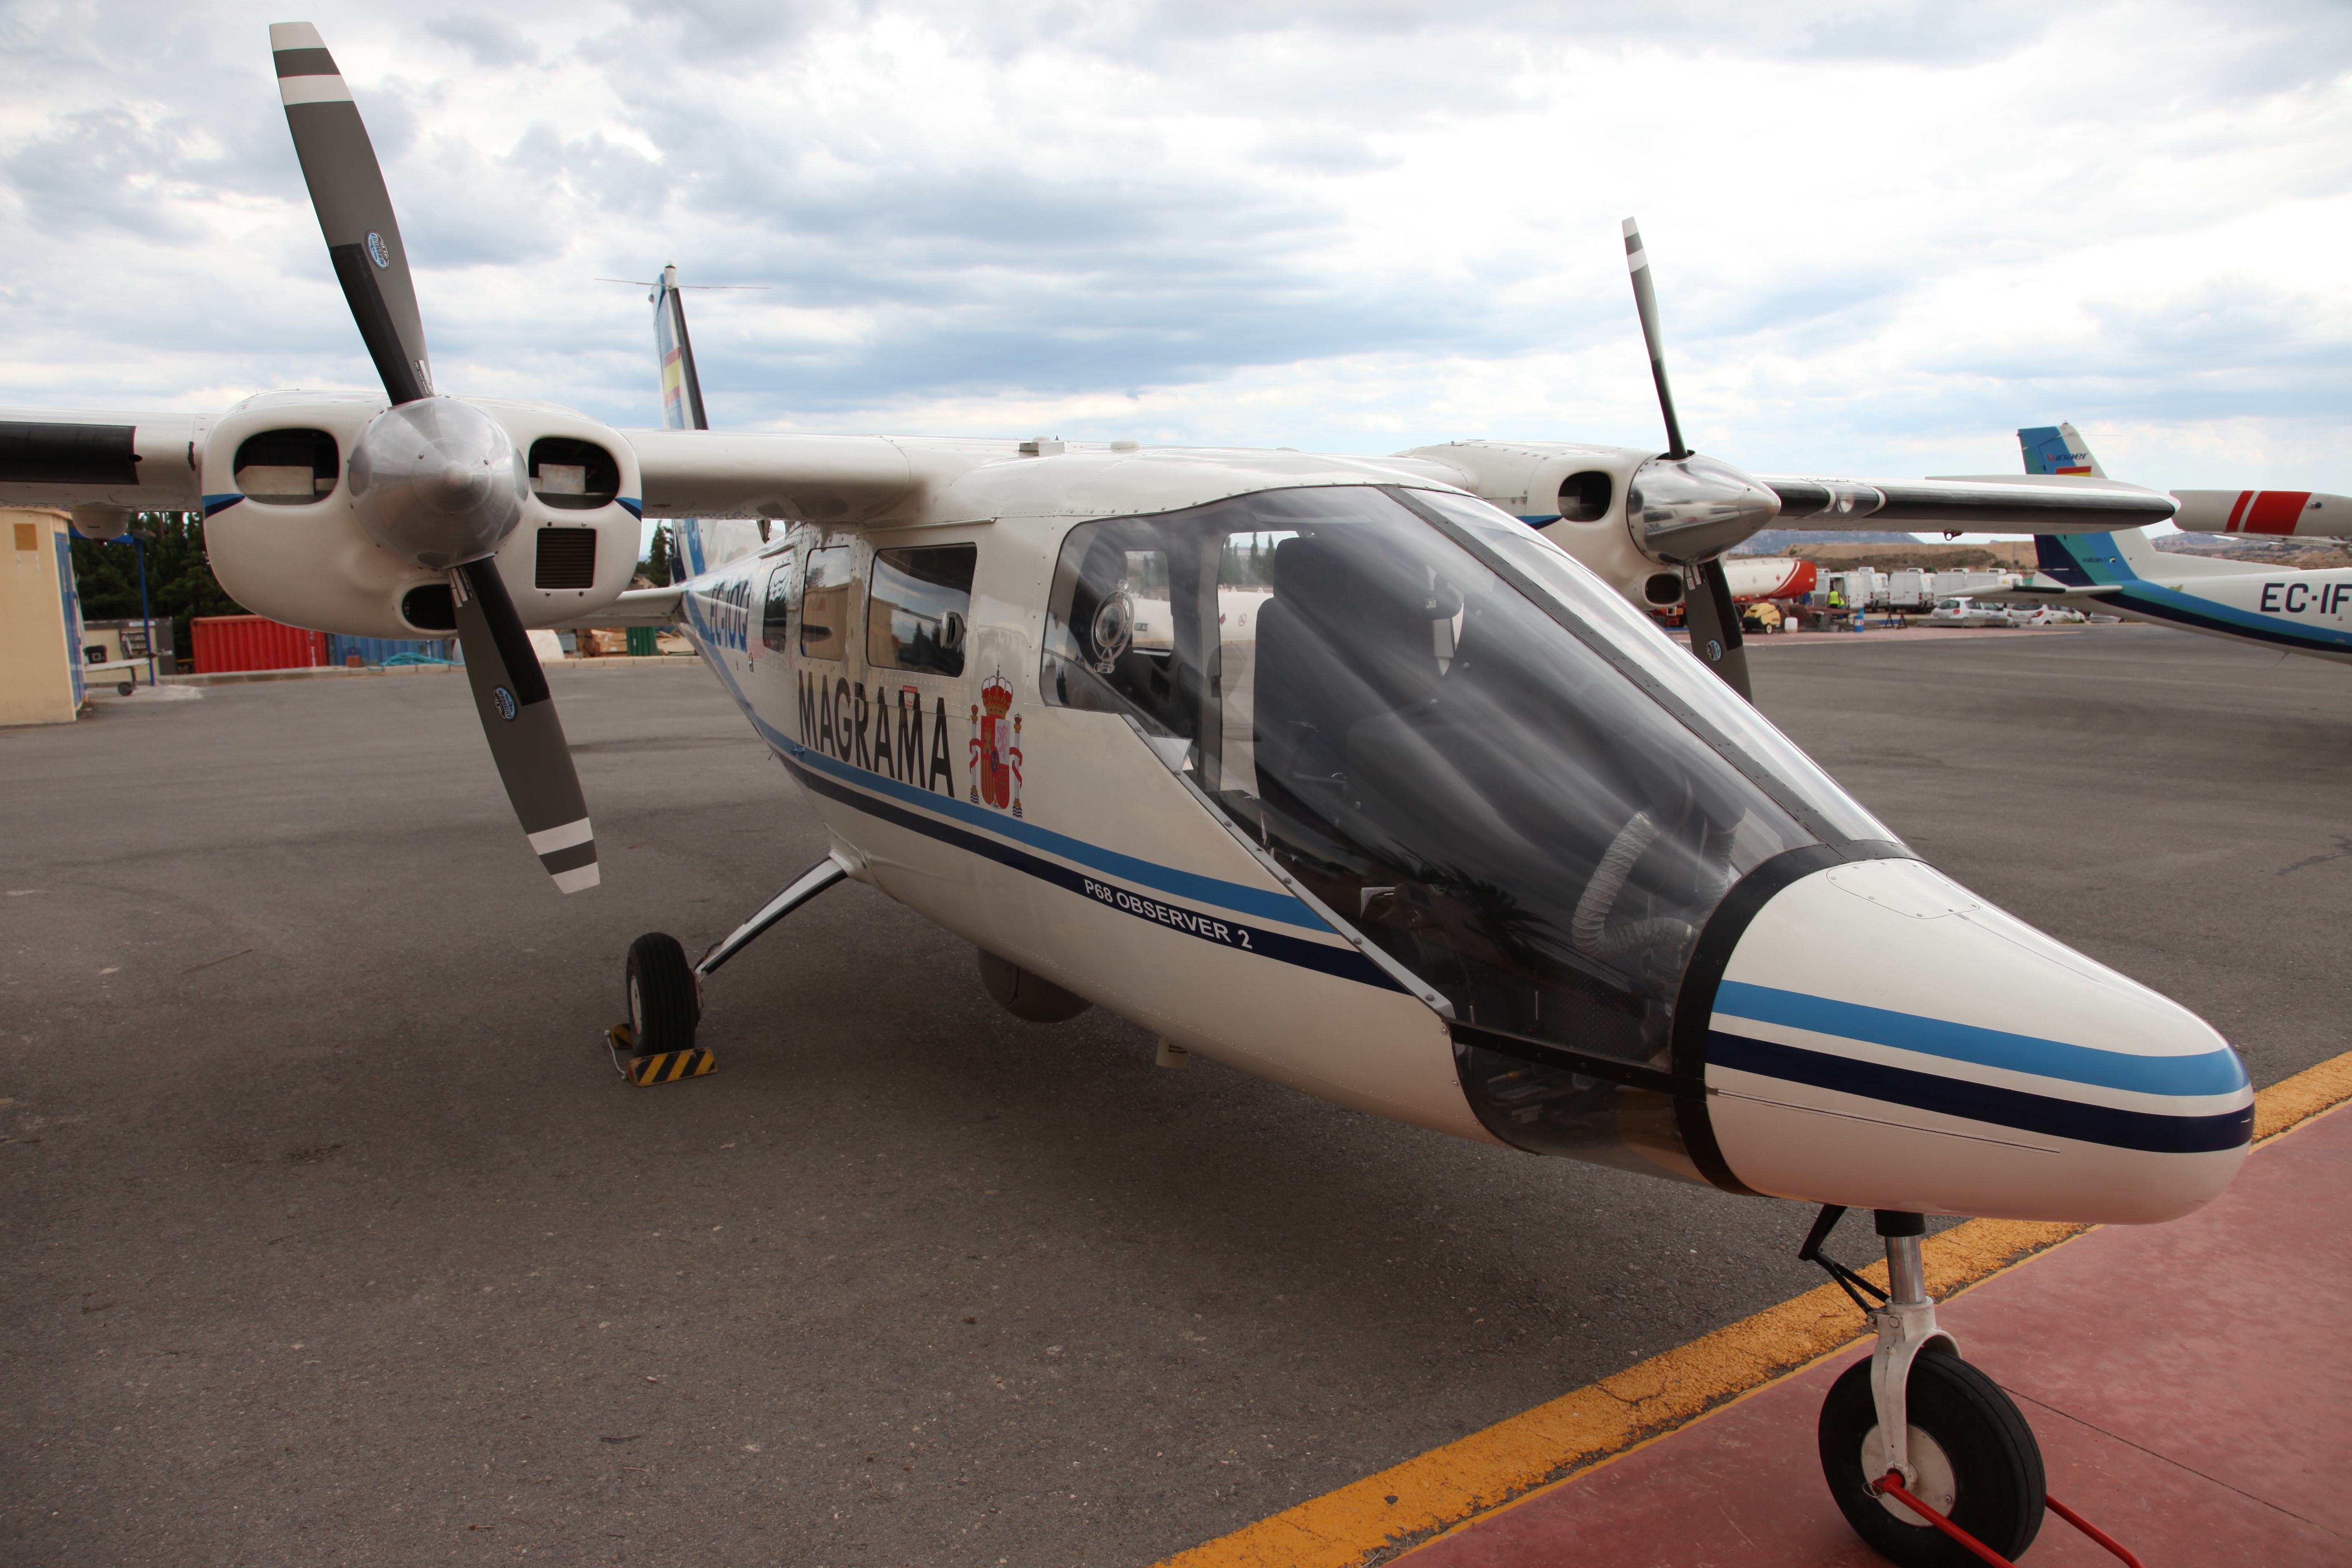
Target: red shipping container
x=254 y=642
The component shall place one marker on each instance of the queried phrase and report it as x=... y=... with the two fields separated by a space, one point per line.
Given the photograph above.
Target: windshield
x=1514 y=811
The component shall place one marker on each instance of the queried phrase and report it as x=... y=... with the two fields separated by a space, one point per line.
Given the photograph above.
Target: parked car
x=1965 y=612
x=2045 y=615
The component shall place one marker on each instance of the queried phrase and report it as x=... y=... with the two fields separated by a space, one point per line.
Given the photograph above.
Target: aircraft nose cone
x=1882 y=1039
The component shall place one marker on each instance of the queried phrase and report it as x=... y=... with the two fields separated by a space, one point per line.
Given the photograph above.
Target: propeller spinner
x=435 y=481
x=1688 y=509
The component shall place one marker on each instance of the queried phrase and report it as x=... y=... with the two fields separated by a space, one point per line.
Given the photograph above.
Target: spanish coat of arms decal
x=995 y=765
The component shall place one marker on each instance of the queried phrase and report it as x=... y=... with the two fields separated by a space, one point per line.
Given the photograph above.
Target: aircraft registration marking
x=2295 y=598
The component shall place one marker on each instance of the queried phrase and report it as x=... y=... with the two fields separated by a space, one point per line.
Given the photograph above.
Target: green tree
x=654 y=567
x=180 y=581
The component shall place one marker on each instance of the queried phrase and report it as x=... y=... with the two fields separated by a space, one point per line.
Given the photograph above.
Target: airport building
x=41 y=621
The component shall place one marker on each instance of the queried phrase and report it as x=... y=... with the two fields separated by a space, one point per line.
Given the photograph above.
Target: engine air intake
x=287 y=468
x=1585 y=496
x=431 y=608
x=573 y=476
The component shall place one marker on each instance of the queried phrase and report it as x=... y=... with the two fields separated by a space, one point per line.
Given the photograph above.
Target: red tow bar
x=1891 y=1485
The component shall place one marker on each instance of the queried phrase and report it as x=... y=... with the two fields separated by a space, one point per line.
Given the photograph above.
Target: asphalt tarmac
x=333 y=1236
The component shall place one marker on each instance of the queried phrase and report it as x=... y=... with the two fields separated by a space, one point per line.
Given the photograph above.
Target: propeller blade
x=1714 y=623
x=519 y=720
x=1645 y=301
x=354 y=210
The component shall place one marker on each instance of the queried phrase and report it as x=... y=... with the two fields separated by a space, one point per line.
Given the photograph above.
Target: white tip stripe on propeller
x=306 y=71
x=294 y=89
x=579 y=880
x=1636 y=257
x=562 y=838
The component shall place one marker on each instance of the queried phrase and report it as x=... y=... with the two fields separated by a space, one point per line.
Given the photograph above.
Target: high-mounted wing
x=813 y=478
x=101 y=466
x=1987 y=503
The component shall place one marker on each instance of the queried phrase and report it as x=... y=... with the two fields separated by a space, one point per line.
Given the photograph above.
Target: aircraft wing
x=2043 y=592
x=1971 y=504
x=135 y=462
x=813 y=479
x=636 y=608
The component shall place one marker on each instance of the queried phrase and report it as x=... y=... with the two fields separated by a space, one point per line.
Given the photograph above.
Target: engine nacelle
x=285 y=541
x=1576 y=495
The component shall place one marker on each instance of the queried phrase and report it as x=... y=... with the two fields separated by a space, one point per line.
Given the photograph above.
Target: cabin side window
x=825 y=602
x=776 y=606
x=918 y=607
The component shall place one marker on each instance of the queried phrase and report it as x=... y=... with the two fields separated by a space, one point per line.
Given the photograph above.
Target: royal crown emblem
x=995 y=764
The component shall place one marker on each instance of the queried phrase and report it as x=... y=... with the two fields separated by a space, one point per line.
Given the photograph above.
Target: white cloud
x=1885 y=234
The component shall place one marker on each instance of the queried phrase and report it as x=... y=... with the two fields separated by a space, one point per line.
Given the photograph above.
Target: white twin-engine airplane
x=1368 y=776
x=2299 y=612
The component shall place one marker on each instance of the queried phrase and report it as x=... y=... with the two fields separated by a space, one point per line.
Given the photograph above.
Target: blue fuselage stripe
x=2046 y=1114
x=1345 y=962
x=2210 y=1072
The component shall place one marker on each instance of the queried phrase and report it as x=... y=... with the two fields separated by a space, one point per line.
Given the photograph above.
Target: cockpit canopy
x=1459 y=741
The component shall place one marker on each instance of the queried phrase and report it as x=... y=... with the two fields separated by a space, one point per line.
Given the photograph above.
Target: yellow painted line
x=1409 y=1503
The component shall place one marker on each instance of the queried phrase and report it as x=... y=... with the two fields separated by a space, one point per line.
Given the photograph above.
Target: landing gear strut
x=656 y=1044
x=1916 y=1414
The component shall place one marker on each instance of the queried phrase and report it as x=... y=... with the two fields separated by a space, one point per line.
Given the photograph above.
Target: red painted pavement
x=2191 y=1384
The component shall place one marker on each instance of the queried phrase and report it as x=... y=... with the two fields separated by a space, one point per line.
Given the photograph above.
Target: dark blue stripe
x=2210 y=1072
x=2040 y=1113
x=634 y=507
x=222 y=503
x=1344 y=962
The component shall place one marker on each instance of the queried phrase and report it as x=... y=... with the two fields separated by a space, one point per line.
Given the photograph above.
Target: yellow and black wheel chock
x=664 y=1066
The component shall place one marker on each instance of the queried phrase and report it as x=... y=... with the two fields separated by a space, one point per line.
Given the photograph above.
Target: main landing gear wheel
x=1975 y=1460
x=663 y=1005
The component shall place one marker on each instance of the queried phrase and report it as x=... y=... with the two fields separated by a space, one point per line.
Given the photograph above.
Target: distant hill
x=2309 y=554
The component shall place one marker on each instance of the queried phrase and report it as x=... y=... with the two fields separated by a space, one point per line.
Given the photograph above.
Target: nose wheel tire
x=663 y=1005
x=1975 y=1459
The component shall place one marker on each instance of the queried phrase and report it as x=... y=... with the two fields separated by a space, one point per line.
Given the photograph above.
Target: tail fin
x=2058 y=449
x=2081 y=560
x=681 y=388
x=682 y=409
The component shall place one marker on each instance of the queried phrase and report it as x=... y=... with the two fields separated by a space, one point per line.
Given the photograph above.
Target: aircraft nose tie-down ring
x=656 y=1044
x=1927 y=1457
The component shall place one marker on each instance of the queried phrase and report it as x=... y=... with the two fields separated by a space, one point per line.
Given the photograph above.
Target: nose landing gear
x=1916 y=1414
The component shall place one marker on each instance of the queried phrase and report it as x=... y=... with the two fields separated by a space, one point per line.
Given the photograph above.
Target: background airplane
x=2306 y=612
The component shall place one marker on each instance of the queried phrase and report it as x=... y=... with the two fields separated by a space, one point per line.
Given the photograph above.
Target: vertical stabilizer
x=2058 y=449
x=2079 y=560
x=682 y=409
x=681 y=388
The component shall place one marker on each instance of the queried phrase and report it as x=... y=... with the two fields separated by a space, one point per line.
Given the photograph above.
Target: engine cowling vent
x=1585 y=496
x=287 y=468
x=573 y=476
x=567 y=559
x=431 y=608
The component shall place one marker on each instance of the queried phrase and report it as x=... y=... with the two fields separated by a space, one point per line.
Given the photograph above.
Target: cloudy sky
x=1885 y=234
